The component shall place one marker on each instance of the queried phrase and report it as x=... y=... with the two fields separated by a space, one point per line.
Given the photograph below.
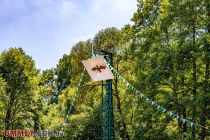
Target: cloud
x=46 y=29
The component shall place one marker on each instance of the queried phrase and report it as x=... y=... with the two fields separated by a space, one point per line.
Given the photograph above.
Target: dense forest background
x=165 y=54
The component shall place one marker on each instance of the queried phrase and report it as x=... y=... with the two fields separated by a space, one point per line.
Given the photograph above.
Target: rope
x=149 y=101
x=152 y=103
x=73 y=99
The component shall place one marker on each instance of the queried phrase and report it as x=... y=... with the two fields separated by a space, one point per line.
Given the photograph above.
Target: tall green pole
x=108 y=115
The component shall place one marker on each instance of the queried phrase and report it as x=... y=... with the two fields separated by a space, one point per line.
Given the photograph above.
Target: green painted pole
x=108 y=115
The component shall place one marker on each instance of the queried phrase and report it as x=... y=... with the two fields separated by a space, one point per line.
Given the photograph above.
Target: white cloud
x=46 y=29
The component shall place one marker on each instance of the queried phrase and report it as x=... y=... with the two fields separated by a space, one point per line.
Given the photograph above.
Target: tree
x=205 y=103
x=19 y=72
x=3 y=103
x=63 y=72
x=168 y=41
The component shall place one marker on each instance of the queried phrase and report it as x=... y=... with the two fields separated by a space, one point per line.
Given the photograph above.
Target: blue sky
x=47 y=29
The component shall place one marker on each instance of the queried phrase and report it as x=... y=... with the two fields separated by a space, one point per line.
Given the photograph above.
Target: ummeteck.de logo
x=29 y=133
x=18 y=133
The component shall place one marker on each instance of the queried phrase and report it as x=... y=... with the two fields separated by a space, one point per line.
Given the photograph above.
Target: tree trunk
x=35 y=119
x=185 y=124
x=8 y=113
x=194 y=78
x=182 y=129
x=123 y=132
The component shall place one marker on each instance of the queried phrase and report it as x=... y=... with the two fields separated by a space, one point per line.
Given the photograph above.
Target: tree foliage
x=165 y=54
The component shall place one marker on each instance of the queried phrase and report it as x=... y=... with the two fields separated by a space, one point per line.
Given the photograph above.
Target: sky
x=47 y=29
